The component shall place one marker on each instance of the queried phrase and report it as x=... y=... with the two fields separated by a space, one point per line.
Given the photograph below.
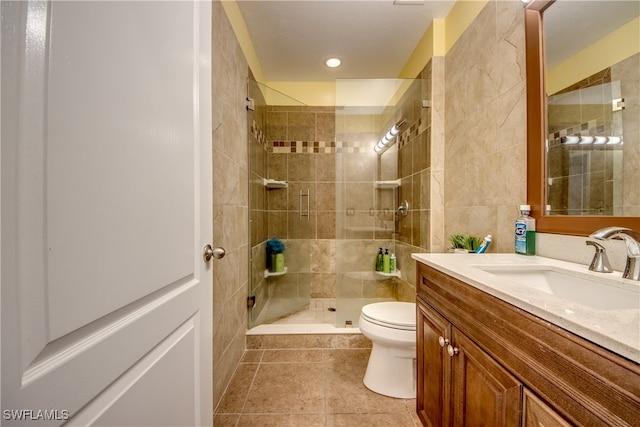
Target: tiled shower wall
x=230 y=201
x=282 y=148
x=329 y=152
x=420 y=167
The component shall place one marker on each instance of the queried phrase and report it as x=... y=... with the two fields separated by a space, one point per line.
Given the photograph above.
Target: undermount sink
x=570 y=287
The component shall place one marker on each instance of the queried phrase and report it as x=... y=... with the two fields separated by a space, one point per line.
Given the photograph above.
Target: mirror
x=578 y=183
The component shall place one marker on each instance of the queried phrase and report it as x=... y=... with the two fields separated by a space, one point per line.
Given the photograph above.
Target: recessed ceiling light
x=333 y=62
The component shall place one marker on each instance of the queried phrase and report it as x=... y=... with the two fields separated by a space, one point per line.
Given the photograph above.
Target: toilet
x=391 y=326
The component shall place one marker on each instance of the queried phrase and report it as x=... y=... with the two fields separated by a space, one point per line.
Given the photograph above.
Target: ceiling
x=571 y=25
x=373 y=38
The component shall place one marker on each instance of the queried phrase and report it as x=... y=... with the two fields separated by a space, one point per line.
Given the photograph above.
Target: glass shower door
x=369 y=190
x=281 y=200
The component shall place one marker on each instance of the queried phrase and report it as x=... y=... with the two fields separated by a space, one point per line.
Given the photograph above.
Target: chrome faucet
x=632 y=240
x=600 y=262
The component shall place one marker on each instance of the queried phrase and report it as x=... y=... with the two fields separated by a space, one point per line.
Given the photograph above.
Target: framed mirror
x=570 y=189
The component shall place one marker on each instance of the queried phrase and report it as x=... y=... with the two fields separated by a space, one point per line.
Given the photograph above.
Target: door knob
x=208 y=252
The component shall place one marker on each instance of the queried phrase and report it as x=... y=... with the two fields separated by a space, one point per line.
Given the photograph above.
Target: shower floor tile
x=308 y=387
x=318 y=310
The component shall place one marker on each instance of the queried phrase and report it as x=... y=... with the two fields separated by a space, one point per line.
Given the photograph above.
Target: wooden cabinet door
x=539 y=414
x=484 y=393
x=434 y=367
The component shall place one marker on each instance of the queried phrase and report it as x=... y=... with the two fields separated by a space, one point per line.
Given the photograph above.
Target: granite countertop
x=615 y=329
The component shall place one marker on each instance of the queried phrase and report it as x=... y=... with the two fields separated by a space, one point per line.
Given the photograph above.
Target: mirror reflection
x=592 y=81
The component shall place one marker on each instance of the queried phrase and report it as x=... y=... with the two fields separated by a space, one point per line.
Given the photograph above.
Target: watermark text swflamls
x=35 y=414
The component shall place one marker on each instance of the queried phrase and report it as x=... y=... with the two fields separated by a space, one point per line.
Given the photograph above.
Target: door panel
x=106 y=204
x=484 y=393
x=104 y=207
x=434 y=373
x=126 y=403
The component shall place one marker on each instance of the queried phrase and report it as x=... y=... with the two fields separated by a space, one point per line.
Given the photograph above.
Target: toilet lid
x=400 y=315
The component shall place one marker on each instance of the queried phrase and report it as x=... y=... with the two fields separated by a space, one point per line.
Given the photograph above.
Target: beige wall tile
x=485 y=135
x=230 y=198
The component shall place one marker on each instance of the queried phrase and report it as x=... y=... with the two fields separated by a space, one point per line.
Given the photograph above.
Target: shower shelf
x=274 y=183
x=395 y=274
x=387 y=184
x=268 y=273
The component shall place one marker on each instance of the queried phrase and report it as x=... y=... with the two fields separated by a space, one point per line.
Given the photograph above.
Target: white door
x=106 y=205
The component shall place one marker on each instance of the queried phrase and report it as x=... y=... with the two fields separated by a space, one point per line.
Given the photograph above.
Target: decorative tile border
x=326 y=147
x=258 y=134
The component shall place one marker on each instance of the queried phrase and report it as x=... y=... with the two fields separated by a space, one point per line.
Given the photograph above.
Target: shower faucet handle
x=403 y=209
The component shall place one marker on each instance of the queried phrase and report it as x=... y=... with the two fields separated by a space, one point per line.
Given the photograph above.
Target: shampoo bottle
x=525 y=232
x=392 y=263
x=386 y=261
x=379 y=260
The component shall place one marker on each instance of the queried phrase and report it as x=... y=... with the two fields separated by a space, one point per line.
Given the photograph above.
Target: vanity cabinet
x=460 y=382
x=482 y=361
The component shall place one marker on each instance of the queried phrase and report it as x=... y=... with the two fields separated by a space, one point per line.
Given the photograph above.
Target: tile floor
x=317 y=310
x=307 y=387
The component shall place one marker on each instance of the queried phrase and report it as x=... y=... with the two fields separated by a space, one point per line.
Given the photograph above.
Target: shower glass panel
x=281 y=203
x=368 y=190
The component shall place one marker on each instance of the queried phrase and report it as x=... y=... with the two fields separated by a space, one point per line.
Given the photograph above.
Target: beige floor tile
x=282 y=420
x=234 y=397
x=369 y=420
x=225 y=420
x=296 y=388
x=250 y=356
x=292 y=356
x=309 y=387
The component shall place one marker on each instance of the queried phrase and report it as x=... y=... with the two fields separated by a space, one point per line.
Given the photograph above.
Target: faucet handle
x=600 y=262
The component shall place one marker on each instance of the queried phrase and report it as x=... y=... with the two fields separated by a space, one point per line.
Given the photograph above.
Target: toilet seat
x=394 y=315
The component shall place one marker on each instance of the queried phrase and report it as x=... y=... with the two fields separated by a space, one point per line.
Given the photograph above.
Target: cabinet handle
x=443 y=341
x=452 y=350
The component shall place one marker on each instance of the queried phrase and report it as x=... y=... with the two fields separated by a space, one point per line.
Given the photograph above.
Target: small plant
x=465 y=241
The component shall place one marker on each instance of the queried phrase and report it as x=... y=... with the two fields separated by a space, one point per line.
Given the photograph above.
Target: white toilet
x=391 y=326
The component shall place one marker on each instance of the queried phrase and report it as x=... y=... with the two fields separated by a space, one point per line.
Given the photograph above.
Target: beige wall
x=485 y=126
x=230 y=202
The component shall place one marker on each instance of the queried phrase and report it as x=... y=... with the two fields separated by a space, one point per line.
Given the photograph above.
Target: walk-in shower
x=319 y=185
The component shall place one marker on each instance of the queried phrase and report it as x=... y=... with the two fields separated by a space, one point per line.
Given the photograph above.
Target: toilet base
x=392 y=372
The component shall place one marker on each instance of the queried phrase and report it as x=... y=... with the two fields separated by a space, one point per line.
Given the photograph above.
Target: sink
x=602 y=294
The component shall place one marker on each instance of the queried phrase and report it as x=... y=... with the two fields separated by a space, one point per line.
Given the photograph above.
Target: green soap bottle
x=386 y=262
x=379 y=261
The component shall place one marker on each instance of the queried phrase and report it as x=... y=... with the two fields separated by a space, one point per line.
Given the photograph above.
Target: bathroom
x=477 y=103
x=461 y=162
